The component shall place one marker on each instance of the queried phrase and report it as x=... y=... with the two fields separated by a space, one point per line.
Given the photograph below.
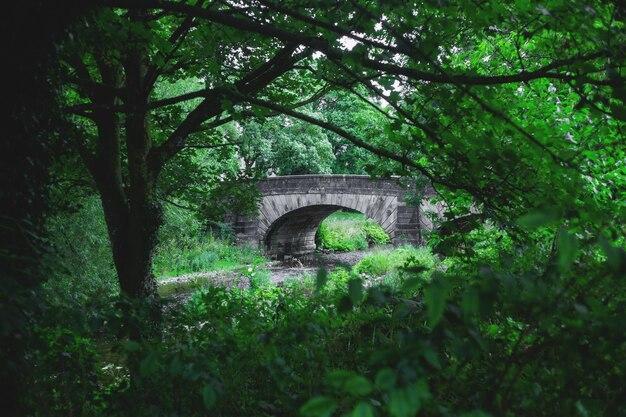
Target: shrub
x=349 y=231
x=385 y=262
x=83 y=267
x=433 y=347
x=185 y=247
x=375 y=234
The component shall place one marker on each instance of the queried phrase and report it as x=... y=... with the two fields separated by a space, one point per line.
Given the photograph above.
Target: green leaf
x=322 y=406
x=567 y=247
x=614 y=256
x=350 y=382
x=355 y=291
x=406 y=402
x=412 y=284
x=471 y=301
x=321 y=279
x=435 y=296
x=581 y=409
x=401 y=404
x=385 y=379
x=209 y=396
x=431 y=357
x=538 y=218
x=363 y=409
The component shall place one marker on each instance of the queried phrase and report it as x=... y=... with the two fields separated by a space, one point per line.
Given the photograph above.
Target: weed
x=384 y=262
x=349 y=231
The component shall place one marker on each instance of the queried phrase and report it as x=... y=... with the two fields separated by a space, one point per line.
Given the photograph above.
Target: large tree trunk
x=132 y=214
x=133 y=228
x=133 y=219
x=133 y=235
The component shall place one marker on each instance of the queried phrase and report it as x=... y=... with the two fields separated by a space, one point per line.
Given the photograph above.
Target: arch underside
x=294 y=232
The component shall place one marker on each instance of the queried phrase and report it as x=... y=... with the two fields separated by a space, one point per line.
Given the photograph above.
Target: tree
x=114 y=75
x=285 y=146
x=455 y=80
x=352 y=114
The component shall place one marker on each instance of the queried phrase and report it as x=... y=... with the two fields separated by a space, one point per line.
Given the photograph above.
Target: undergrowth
x=431 y=341
x=349 y=231
x=202 y=254
x=186 y=246
x=381 y=263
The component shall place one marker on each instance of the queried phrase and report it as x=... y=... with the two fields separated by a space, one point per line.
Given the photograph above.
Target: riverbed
x=181 y=287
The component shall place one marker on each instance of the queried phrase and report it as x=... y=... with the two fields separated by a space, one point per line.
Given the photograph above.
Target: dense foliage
x=427 y=338
x=345 y=231
x=514 y=112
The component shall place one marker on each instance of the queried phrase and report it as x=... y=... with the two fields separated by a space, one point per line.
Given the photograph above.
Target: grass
x=184 y=249
x=179 y=257
x=382 y=263
x=253 y=277
x=349 y=231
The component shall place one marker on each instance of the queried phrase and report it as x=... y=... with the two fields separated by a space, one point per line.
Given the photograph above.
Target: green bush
x=67 y=375
x=375 y=234
x=382 y=263
x=83 y=266
x=185 y=247
x=349 y=231
x=334 y=343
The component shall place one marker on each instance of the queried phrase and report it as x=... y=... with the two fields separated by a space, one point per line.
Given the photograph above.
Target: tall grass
x=349 y=231
x=186 y=247
x=383 y=263
x=205 y=254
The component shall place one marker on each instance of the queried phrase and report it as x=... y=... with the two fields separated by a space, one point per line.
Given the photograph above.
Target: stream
x=181 y=287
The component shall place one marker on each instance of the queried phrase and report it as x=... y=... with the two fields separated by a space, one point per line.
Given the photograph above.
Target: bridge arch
x=292 y=208
x=294 y=232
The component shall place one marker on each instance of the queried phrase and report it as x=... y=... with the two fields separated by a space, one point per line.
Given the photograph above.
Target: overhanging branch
x=330 y=127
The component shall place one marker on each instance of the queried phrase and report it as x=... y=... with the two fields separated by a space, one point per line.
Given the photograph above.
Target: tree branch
x=330 y=127
x=322 y=45
x=212 y=105
x=217 y=145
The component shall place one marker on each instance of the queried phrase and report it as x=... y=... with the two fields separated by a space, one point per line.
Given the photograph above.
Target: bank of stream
x=275 y=272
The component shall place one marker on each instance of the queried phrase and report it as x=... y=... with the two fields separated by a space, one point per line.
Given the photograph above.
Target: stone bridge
x=292 y=208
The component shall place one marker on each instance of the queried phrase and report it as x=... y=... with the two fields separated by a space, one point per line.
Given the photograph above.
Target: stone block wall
x=292 y=207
